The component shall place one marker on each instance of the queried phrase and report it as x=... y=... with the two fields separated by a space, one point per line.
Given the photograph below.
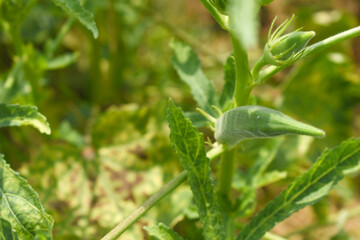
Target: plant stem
x=223 y=20
x=154 y=199
x=54 y=44
x=255 y=71
x=226 y=172
x=314 y=48
x=243 y=84
x=15 y=35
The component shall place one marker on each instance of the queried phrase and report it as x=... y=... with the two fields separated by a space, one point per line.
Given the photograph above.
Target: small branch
x=54 y=44
x=154 y=199
x=317 y=47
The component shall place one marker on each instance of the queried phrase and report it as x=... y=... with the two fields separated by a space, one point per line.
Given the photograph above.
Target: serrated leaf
x=162 y=232
x=16 y=115
x=307 y=189
x=6 y=232
x=20 y=205
x=189 y=145
x=188 y=67
x=74 y=8
x=229 y=86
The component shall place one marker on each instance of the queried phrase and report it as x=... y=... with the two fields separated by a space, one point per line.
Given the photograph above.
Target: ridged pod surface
x=253 y=121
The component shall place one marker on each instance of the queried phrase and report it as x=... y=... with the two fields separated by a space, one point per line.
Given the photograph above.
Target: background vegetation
x=106 y=100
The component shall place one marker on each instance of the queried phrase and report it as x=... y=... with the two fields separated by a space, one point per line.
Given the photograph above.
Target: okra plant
x=225 y=201
x=233 y=119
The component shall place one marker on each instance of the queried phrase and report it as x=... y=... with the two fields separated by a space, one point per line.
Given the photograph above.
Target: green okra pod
x=253 y=121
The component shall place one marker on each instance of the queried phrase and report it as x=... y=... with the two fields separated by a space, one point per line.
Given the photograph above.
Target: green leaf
x=229 y=86
x=307 y=189
x=244 y=21
x=61 y=61
x=16 y=115
x=20 y=205
x=162 y=232
x=6 y=232
x=74 y=8
x=188 y=66
x=189 y=145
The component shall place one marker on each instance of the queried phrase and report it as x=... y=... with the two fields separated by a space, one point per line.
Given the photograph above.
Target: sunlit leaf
x=74 y=8
x=307 y=189
x=16 y=115
x=188 y=67
x=20 y=205
x=162 y=232
x=189 y=145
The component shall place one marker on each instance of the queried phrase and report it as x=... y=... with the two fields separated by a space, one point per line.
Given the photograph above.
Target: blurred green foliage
x=106 y=99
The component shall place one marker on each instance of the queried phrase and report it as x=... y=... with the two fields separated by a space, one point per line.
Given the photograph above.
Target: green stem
x=223 y=20
x=17 y=41
x=255 y=71
x=226 y=171
x=54 y=44
x=317 y=47
x=243 y=84
x=154 y=199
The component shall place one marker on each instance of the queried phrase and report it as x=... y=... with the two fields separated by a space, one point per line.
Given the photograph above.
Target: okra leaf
x=189 y=145
x=162 y=232
x=6 y=232
x=244 y=21
x=16 y=115
x=188 y=67
x=307 y=189
x=20 y=205
x=74 y=8
x=229 y=86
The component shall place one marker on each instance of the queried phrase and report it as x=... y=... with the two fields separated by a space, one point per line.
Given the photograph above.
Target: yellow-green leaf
x=16 y=115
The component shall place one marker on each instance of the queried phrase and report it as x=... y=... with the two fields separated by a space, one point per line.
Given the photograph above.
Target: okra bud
x=282 y=49
x=252 y=121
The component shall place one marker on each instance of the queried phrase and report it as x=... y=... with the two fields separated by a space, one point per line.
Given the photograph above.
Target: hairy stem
x=154 y=199
x=243 y=84
x=317 y=47
x=226 y=173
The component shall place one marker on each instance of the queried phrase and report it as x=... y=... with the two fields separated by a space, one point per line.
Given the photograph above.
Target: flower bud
x=287 y=47
x=283 y=49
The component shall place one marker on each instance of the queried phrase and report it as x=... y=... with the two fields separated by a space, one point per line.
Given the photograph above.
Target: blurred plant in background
x=104 y=90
